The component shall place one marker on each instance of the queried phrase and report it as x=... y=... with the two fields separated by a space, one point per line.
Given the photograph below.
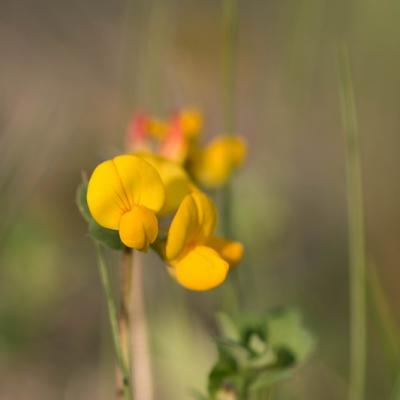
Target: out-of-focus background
x=71 y=75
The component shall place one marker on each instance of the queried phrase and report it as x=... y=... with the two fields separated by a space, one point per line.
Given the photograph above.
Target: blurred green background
x=71 y=75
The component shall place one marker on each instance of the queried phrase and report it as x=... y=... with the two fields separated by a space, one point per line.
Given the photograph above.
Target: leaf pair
x=257 y=352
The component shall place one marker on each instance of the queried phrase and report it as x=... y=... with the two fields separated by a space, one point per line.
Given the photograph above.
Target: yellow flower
x=158 y=128
x=229 y=250
x=175 y=179
x=198 y=260
x=214 y=165
x=125 y=194
x=191 y=121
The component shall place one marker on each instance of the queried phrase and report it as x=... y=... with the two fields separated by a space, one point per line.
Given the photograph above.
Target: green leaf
x=108 y=237
x=256 y=344
x=251 y=326
x=223 y=371
x=227 y=327
x=286 y=331
x=264 y=360
x=269 y=378
x=257 y=352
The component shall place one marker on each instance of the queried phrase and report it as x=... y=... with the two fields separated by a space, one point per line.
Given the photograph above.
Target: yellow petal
x=214 y=166
x=206 y=214
x=230 y=251
x=106 y=197
x=158 y=128
x=192 y=122
x=200 y=269
x=138 y=228
x=141 y=182
x=192 y=224
x=176 y=181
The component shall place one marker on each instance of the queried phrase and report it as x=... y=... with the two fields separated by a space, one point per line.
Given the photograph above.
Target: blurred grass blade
x=396 y=390
x=230 y=24
x=230 y=18
x=386 y=321
x=230 y=28
x=356 y=240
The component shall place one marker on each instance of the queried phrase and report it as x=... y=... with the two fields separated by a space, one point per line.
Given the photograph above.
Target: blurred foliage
x=28 y=279
x=256 y=353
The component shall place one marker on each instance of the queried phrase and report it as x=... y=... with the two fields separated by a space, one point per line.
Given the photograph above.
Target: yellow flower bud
x=191 y=121
x=158 y=128
x=214 y=165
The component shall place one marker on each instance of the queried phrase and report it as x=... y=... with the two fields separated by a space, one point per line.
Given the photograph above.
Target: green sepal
x=81 y=202
x=107 y=237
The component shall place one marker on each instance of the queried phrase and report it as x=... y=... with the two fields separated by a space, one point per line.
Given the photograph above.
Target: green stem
x=125 y=313
x=355 y=206
x=113 y=317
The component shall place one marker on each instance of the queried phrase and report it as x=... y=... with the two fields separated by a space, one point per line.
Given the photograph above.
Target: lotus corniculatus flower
x=125 y=194
x=197 y=259
x=213 y=165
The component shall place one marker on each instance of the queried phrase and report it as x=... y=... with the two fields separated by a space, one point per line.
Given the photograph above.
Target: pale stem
x=141 y=363
x=124 y=313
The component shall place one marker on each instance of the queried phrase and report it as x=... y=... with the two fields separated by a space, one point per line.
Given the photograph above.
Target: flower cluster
x=151 y=197
x=178 y=139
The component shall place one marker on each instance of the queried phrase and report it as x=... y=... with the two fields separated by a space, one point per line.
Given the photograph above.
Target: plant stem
x=356 y=239
x=142 y=374
x=113 y=317
x=124 y=313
